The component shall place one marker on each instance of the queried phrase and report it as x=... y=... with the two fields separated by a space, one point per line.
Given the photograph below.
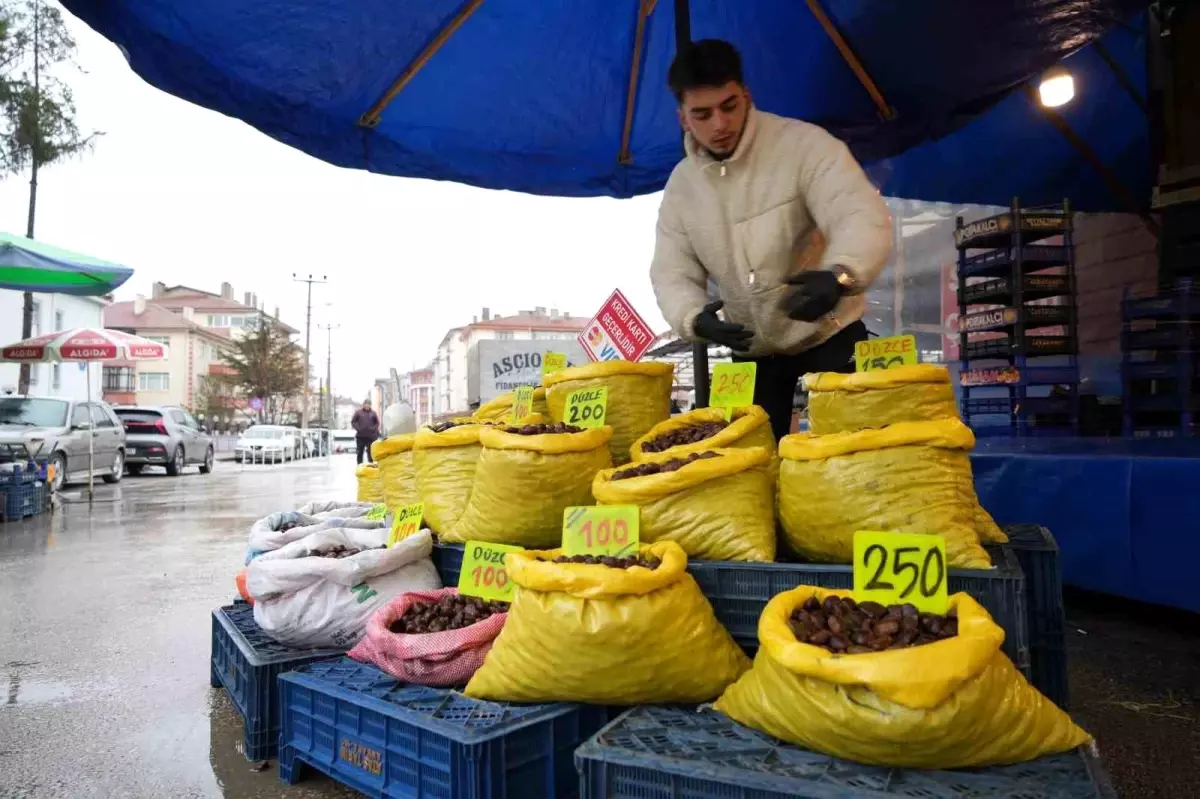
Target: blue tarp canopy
x=534 y=96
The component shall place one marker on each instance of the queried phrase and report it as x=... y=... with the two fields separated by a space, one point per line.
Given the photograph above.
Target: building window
x=58 y=320
x=164 y=340
x=504 y=335
x=119 y=379
x=154 y=381
x=37 y=320
x=56 y=376
x=218 y=320
x=34 y=369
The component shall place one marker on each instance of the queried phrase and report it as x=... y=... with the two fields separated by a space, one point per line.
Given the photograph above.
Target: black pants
x=364 y=445
x=777 y=375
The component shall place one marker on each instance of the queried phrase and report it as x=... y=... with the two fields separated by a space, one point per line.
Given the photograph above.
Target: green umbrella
x=28 y=265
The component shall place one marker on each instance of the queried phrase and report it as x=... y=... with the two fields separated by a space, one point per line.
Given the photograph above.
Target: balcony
x=221 y=370
x=119 y=379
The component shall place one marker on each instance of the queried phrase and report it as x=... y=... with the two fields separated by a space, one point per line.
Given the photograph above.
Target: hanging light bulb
x=1057 y=88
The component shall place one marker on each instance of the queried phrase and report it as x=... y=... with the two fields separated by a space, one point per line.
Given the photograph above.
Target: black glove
x=816 y=294
x=710 y=326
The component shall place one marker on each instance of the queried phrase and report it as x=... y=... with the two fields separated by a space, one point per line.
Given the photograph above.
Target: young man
x=783 y=219
x=366 y=430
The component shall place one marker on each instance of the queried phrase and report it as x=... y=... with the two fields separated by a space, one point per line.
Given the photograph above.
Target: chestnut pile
x=442 y=427
x=627 y=562
x=447 y=613
x=684 y=435
x=540 y=429
x=337 y=552
x=673 y=465
x=844 y=626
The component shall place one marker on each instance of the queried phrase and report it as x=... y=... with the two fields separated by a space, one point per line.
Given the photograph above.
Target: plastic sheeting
x=1122 y=512
x=532 y=96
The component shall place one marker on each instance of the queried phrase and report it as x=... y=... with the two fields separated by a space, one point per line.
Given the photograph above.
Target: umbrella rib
x=371 y=118
x=645 y=8
x=851 y=59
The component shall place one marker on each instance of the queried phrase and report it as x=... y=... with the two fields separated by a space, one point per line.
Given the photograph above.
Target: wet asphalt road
x=105 y=641
x=105 y=627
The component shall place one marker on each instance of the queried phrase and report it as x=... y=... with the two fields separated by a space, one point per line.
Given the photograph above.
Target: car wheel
x=118 y=468
x=59 y=462
x=209 y=460
x=134 y=468
x=176 y=464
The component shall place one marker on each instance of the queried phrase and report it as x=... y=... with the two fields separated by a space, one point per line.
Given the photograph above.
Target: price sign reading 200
x=893 y=568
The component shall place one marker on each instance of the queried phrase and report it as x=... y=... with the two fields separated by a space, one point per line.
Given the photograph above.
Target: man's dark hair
x=707 y=63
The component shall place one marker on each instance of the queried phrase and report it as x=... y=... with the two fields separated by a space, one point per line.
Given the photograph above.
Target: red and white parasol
x=84 y=344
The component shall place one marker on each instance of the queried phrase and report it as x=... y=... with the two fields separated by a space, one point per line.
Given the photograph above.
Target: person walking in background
x=366 y=430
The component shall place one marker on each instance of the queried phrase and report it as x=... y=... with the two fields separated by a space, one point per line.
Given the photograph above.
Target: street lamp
x=1057 y=88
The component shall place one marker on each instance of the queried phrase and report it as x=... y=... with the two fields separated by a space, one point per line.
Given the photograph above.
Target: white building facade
x=51 y=312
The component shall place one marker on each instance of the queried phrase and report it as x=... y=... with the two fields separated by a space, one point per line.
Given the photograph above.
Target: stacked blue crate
x=1160 y=363
x=1024 y=381
x=679 y=752
x=386 y=738
x=20 y=500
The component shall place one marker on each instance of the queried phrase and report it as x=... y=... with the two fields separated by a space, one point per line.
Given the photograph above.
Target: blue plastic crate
x=386 y=738
x=678 y=753
x=448 y=559
x=20 y=500
x=245 y=661
x=1037 y=552
x=739 y=591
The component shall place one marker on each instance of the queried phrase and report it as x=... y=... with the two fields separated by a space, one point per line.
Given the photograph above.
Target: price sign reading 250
x=733 y=385
x=483 y=573
x=601 y=530
x=893 y=568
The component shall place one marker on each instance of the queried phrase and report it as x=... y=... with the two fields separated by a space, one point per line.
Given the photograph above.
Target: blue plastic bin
x=678 y=753
x=245 y=661
x=739 y=591
x=20 y=500
x=448 y=559
x=20 y=474
x=386 y=738
x=1037 y=551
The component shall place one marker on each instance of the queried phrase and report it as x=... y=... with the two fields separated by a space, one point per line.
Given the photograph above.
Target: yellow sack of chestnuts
x=592 y=633
x=716 y=508
x=523 y=483
x=845 y=403
x=445 y=467
x=750 y=427
x=397 y=477
x=955 y=703
x=639 y=397
x=369 y=487
x=909 y=477
x=500 y=408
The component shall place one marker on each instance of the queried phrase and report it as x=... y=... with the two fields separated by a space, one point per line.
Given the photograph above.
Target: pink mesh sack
x=437 y=659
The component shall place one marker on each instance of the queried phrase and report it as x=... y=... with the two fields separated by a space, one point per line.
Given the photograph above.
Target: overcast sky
x=186 y=195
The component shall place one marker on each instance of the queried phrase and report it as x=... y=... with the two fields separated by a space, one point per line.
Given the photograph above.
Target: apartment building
x=51 y=312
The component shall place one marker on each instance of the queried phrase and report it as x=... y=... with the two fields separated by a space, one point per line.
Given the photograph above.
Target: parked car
x=161 y=435
x=267 y=442
x=59 y=430
x=343 y=441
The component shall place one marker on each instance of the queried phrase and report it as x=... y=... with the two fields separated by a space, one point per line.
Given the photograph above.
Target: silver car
x=162 y=435
x=59 y=429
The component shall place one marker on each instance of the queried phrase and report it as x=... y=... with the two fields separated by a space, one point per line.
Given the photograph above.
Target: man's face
x=366 y=406
x=716 y=116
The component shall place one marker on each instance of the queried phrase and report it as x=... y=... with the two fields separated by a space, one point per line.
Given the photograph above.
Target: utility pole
x=329 y=373
x=307 y=340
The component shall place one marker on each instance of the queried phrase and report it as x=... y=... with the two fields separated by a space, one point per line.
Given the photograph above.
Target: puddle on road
x=35 y=692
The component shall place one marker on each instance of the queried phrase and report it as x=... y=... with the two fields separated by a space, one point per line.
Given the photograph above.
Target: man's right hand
x=710 y=326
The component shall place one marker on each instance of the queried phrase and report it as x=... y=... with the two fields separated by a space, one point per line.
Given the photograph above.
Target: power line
x=307 y=340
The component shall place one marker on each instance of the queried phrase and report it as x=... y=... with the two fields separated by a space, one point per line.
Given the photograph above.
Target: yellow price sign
x=732 y=386
x=601 y=530
x=483 y=572
x=587 y=407
x=522 y=403
x=405 y=522
x=876 y=354
x=553 y=362
x=895 y=568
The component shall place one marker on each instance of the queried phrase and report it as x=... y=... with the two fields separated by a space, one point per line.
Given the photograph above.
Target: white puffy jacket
x=790 y=198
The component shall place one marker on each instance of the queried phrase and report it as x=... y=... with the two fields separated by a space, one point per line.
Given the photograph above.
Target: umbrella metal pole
x=683 y=37
x=91 y=434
